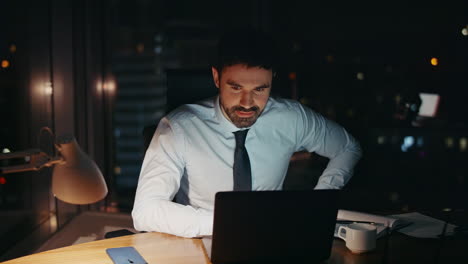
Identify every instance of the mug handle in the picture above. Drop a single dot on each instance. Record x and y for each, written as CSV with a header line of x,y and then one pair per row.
x,y
339,232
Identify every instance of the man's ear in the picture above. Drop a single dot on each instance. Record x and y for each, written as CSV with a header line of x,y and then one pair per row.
x,y
215,73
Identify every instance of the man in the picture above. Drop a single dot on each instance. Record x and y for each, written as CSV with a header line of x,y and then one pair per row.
x,y
197,150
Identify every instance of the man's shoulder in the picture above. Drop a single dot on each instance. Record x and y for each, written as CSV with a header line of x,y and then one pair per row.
x,y
284,106
289,110
199,110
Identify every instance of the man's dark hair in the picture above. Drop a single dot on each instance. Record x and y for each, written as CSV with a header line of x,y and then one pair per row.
x,y
249,47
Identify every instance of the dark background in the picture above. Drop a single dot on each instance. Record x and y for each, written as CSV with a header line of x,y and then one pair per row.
x,y
117,66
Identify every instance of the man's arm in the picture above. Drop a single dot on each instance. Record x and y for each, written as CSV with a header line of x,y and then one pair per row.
x,y
328,139
159,181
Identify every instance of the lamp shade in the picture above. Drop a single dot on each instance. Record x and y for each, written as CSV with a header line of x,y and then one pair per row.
x,y
78,180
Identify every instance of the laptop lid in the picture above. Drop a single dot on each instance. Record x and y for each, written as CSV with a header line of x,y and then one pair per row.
x,y
273,226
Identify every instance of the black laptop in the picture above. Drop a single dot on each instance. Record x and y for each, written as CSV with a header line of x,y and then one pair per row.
x,y
273,226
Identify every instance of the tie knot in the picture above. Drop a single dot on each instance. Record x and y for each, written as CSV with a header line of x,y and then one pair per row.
x,y
240,137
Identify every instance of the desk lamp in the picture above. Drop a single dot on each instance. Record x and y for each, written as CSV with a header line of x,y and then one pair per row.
x,y
76,179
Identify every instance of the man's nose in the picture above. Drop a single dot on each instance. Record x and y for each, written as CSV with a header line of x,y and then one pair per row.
x,y
246,99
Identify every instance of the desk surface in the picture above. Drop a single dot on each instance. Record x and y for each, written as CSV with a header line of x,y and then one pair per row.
x,y
154,247
168,249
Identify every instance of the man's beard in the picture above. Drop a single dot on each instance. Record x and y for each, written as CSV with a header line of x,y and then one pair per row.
x,y
242,122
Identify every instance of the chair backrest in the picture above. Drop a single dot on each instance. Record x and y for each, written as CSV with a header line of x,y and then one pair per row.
x,y
184,86
148,132
188,86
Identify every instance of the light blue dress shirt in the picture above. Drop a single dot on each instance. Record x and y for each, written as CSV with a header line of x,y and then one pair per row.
x,y
191,155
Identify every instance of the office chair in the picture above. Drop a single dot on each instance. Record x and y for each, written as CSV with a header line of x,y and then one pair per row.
x,y
184,86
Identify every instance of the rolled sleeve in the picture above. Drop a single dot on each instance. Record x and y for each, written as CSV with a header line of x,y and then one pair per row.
x,y
159,181
328,139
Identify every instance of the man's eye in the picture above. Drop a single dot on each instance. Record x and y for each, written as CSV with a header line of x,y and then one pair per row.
x,y
259,89
235,87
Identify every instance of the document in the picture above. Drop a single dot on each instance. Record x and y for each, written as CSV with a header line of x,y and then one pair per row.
x,y
85,239
424,226
381,222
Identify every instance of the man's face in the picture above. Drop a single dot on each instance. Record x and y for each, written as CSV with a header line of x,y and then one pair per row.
x,y
243,92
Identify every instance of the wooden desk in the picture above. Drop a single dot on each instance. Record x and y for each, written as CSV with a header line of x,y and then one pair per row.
x,y
161,248
154,247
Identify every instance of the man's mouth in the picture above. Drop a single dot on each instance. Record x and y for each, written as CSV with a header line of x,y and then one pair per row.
x,y
245,114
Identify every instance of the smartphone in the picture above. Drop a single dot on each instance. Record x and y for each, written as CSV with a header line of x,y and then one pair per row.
x,y
125,255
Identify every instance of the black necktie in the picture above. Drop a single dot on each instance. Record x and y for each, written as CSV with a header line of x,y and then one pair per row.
x,y
241,168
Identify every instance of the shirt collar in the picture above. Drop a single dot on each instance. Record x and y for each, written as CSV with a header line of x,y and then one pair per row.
x,y
227,126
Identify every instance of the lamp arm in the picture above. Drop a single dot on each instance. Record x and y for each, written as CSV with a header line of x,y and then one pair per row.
x,y
35,160
19,154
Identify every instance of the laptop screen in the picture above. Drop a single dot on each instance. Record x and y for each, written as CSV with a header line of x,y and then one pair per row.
x,y
273,226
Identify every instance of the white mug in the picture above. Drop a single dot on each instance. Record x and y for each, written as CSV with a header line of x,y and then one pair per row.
x,y
359,238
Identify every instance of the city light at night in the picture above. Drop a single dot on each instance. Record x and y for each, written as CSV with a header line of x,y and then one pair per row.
x,y
5,64
12,48
465,31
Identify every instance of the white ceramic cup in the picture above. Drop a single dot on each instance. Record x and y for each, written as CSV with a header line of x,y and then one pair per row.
x,y
359,238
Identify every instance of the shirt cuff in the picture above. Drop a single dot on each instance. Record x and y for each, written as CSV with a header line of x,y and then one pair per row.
x,y
324,186
206,223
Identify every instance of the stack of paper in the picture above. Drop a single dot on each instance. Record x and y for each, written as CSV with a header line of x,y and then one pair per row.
x,y
381,222
412,224
424,226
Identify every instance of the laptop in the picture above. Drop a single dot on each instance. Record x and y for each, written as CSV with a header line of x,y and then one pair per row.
x,y
273,226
